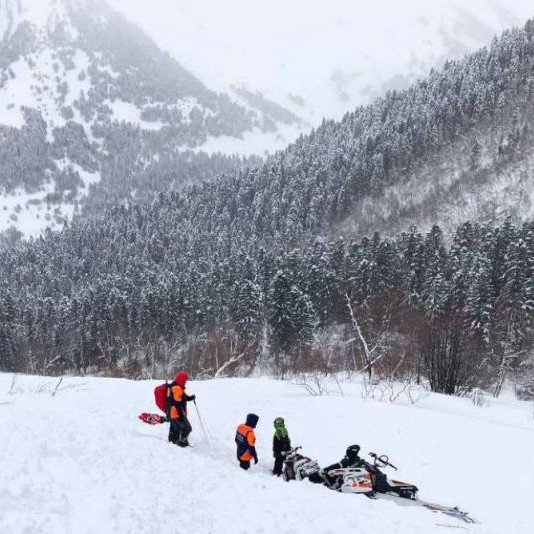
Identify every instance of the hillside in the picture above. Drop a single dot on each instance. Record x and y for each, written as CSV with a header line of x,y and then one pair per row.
x,y
249,268
85,463
89,122
93,113
455,146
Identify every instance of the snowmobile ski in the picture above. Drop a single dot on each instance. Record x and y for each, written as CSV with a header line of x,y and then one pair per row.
x,y
451,511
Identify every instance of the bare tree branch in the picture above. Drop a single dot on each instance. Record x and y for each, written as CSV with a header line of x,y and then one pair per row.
x,y
227,364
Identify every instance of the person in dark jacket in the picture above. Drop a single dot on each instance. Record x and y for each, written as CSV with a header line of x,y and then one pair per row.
x,y
351,459
281,444
245,440
177,400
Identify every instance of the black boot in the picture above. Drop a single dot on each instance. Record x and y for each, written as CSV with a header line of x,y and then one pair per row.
x,y
182,442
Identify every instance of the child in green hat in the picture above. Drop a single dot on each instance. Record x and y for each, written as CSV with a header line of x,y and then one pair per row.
x,y
281,444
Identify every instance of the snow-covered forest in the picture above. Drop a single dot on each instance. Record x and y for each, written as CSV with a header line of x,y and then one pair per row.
x,y
248,271
330,256
166,294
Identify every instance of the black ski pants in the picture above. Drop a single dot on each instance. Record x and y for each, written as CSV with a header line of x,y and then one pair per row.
x,y
179,430
244,465
278,464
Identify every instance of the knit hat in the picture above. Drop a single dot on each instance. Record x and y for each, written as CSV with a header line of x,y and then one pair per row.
x,y
252,420
181,378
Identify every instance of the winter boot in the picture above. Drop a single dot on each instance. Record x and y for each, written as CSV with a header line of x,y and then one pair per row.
x,y
182,442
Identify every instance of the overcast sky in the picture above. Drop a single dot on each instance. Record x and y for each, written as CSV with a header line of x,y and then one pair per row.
x,y
334,54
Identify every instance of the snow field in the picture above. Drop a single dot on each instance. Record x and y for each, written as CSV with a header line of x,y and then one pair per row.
x,y
80,461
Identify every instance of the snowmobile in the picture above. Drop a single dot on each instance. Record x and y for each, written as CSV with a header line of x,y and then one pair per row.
x,y
298,467
367,479
372,482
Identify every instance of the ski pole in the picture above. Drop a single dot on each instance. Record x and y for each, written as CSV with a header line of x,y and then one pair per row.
x,y
201,422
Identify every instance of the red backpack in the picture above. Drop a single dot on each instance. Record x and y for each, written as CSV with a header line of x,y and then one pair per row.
x,y
160,396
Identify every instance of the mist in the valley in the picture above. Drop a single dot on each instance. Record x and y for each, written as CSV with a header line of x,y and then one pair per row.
x,y
322,58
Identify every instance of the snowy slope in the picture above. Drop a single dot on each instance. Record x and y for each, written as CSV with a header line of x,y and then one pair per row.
x,y
36,34
86,98
321,59
79,461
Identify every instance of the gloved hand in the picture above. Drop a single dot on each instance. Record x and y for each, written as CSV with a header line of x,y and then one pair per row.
x,y
192,397
256,460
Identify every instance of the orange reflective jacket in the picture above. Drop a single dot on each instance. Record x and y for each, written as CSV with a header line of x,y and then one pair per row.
x,y
177,402
246,442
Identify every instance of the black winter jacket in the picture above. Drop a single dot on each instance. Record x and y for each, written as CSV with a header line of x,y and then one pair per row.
x,y
280,445
356,462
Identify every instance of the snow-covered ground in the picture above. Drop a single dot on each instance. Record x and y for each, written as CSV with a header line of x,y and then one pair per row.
x,y
81,462
32,213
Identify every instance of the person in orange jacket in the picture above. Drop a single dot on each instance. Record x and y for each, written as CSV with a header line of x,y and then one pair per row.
x,y
246,442
177,399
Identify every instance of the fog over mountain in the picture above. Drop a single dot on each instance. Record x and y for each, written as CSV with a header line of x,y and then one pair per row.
x,y
93,113
98,109
321,59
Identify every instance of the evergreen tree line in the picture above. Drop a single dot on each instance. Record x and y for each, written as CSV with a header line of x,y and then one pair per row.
x,y
232,274
456,316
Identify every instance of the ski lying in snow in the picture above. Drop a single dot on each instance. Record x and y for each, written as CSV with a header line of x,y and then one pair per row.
x,y
152,418
451,511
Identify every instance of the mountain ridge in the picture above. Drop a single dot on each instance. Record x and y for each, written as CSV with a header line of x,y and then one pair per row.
x,y
88,103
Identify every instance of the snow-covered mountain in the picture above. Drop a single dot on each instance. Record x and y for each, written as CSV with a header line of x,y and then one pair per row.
x,y
321,59
85,97
76,459
88,103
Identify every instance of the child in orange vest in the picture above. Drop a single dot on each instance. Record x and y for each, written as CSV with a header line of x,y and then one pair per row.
x,y
246,442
